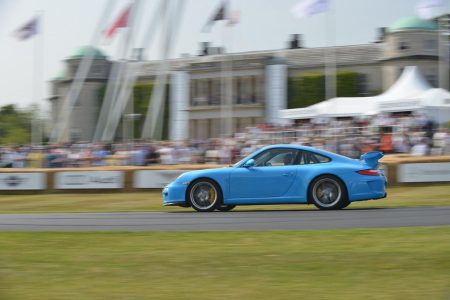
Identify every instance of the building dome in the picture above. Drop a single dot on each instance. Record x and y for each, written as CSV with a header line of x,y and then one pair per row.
x,y
88,50
61,75
413,23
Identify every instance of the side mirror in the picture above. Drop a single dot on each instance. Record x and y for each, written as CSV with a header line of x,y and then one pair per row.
x,y
249,163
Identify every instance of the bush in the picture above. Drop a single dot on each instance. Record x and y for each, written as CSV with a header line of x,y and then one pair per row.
x,y
309,88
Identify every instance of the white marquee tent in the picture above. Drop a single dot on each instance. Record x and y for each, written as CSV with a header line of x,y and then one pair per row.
x,y
411,92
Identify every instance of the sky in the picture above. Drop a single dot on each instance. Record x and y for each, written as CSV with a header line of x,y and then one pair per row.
x,y
263,25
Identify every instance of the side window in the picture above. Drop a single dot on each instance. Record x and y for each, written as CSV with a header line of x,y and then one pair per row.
x,y
402,45
312,158
276,157
321,158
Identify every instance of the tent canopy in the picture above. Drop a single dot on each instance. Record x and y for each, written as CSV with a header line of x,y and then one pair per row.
x,y
411,92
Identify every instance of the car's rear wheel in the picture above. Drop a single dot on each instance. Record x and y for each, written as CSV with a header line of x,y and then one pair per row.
x,y
204,195
224,207
328,192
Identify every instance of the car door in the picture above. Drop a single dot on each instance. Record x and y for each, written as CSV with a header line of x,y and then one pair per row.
x,y
272,176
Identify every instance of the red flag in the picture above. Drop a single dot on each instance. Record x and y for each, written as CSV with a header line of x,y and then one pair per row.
x,y
120,22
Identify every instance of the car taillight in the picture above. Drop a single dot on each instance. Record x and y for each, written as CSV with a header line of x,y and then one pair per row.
x,y
369,172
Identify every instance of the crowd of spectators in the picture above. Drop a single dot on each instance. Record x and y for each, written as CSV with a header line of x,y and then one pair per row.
x,y
403,133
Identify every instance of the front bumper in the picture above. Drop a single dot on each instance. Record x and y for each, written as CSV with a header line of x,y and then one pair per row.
x,y
174,194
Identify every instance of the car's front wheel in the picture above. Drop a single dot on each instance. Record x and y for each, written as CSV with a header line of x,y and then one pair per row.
x,y
328,193
204,195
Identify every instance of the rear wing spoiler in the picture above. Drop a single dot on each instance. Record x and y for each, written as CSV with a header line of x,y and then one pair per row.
x,y
371,158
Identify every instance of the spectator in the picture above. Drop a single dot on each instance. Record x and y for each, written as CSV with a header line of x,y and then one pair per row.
x,y
421,148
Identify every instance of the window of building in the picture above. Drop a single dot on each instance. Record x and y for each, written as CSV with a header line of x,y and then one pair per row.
x,y
215,92
432,79
97,70
362,84
209,92
238,90
403,45
430,44
254,82
193,92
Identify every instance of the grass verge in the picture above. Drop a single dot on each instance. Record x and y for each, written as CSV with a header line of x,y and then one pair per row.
x,y
399,263
432,195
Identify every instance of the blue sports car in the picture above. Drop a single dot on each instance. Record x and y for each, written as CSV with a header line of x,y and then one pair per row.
x,y
281,174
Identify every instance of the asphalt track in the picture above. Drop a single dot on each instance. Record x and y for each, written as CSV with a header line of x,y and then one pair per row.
x,y
238,220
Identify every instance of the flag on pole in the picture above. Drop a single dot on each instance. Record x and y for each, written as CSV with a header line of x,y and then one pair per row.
x,y
220,14
27,30
120,22
424,8
307,8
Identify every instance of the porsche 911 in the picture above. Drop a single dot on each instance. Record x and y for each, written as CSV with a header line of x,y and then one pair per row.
x,y
281,174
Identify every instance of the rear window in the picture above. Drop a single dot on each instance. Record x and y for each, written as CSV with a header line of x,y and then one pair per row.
x,y
313,158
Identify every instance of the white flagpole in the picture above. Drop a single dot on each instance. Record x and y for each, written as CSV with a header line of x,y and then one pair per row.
x,y
129,79
112,87
443,47
330,59
330,55
38,58
150,33
125,85
223,81
152,124
60,129
229,86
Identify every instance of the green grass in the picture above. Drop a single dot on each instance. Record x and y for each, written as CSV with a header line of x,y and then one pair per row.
x,y
401,263
432,195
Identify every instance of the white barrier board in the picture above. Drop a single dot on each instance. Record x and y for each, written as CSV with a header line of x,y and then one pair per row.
x,y
384,170
89,180
22,181
151,179
424,172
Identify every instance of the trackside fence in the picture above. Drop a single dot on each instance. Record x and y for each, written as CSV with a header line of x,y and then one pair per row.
x,y
399,169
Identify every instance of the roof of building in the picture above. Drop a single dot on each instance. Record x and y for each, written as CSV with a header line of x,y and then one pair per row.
x,y
301,57
413,23
344,55
60,75
88,51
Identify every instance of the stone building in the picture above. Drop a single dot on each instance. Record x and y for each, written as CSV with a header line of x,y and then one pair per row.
x,y
258,79
84,115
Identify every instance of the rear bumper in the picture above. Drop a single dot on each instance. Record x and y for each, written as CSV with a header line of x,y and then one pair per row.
x,y
368,188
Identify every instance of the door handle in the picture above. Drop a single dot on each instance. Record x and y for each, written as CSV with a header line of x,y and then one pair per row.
x,y
288,174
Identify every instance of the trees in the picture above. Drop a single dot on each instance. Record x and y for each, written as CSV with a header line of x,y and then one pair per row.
x,y
15,125
309,88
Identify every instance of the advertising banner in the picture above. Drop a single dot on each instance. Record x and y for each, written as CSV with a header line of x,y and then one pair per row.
x,y
22,181
89,180
150,179
424,172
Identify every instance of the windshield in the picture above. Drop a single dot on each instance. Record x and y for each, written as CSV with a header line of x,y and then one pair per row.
x,y
241,162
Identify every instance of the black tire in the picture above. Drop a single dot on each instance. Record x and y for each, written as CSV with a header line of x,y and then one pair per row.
x,y
204,195
224,207
328,192
347,203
